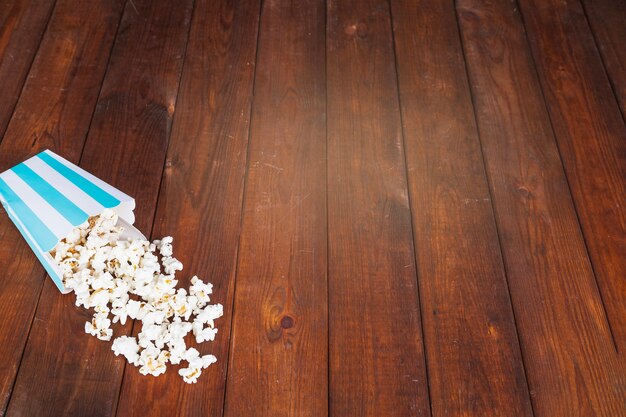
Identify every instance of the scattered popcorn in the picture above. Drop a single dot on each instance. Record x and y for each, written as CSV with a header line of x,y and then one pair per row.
x,y
121,279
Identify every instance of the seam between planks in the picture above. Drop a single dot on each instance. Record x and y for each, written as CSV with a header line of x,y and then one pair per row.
x,y
408,191
30,67
564,171
494,211
45,275
243,205
602,59
104,75
328,328
156,204
19,366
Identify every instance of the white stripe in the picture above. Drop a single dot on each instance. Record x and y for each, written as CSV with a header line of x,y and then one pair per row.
x,y
54,268
66,187
106,187
16,219
57,224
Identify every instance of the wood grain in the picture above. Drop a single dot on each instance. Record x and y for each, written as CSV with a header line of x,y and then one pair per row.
x,y
201,194
377,365
471,180
281,298
53,112
607,19
131,125
22,24
593,148
474,361
570,360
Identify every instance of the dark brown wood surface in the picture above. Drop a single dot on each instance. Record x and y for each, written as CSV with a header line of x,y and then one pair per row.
x,y
280,304
376,350
54,111
474,361
569,355
407,208
201,194
132,123
22,25
591,136
607,19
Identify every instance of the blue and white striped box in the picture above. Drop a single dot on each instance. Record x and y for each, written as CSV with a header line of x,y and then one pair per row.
x,y
47,196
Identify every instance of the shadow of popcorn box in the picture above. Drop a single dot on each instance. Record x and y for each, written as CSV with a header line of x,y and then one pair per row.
x,y
47,196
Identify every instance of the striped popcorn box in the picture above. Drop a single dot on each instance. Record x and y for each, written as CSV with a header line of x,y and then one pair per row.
x,y
47,196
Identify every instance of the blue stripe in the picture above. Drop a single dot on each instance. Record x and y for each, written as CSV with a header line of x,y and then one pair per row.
x,y
57,200
39,231
97,193
58,281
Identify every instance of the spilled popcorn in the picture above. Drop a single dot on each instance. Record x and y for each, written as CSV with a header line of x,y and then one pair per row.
x,y
104,271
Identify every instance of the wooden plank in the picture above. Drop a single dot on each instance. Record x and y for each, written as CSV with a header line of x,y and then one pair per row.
x,y
281,298
377,364
607,19
126,146
201,194
570,360
22,24
53,112
474,360
590,133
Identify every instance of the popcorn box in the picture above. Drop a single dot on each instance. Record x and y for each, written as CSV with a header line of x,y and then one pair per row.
x,y
47,196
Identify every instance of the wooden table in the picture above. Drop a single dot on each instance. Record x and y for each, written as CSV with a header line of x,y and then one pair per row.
x,y
408,208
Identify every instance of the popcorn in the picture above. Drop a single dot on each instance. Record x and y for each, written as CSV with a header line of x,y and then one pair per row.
x,y
132,309
165,245
177,352
203,334
180,304
196,364
153,361
171,265
99,327
128,347
210,313
103,281
121,279
99,298
200,290
119,311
